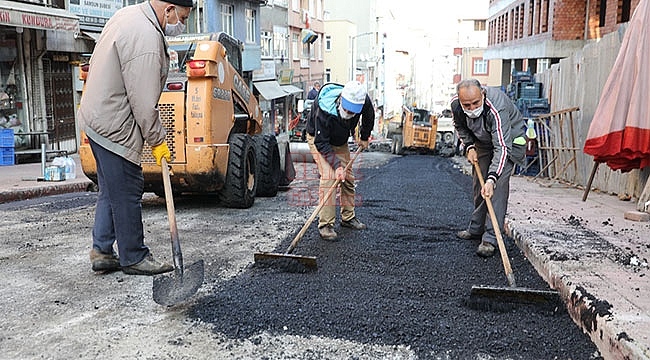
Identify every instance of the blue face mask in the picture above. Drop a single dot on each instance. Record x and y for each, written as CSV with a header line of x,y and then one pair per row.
x,y
175,29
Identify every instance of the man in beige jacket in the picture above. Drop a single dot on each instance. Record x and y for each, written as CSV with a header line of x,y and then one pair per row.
x,y
119,112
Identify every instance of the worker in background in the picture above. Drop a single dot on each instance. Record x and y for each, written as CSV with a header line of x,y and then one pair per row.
x,y
119,112
492,131
334,116
313,92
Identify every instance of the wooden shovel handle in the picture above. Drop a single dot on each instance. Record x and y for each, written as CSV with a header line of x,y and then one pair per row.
x,y
313,215
171,215
497,230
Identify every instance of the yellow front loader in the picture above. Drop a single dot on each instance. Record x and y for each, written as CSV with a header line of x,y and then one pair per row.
x,y
416,131
214,127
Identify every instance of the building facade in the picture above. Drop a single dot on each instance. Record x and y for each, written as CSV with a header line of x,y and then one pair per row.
x,y
530,35
41,45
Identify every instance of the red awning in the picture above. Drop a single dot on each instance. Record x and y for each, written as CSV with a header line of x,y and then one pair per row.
x,y
619,134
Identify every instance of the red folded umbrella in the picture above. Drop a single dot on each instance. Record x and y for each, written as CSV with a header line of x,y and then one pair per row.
x,y
619,134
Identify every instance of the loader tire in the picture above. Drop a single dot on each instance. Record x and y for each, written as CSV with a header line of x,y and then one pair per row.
x,y
240,185
268,165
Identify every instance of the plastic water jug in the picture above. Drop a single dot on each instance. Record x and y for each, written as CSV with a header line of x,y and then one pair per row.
x,y
68,163
70,168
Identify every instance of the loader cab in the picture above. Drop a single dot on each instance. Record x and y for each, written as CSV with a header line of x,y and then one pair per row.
x,y
182,48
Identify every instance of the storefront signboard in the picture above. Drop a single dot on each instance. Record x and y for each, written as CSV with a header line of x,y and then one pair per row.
x,y
36,17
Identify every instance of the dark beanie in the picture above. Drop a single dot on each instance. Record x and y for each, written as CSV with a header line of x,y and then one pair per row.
x,y
185,3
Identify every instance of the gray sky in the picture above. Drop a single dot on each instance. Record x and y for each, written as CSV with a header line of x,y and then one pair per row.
x,y
433,15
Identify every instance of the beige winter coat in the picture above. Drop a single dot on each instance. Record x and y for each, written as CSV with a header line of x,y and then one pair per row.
x,y
127,73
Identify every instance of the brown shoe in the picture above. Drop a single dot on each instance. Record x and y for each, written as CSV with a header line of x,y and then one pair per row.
x,y
104,262
327,232
466,235
148,266
354,223
485,249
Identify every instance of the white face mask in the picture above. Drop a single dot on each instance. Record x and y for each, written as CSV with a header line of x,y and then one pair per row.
x,y
474,113
175,29
344,114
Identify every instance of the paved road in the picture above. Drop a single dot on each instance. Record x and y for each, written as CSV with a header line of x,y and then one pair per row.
x,y
404,282
43,255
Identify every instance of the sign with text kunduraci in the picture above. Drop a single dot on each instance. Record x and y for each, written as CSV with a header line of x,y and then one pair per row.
x,y
37,17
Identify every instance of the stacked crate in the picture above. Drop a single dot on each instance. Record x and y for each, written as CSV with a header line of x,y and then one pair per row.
x,y
7,154
527,95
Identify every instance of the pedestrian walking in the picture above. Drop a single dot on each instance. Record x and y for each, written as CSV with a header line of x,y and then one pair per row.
x,y
119,112
492,131
335,115
313,92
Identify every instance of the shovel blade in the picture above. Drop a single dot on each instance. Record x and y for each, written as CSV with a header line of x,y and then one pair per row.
x,y
177,286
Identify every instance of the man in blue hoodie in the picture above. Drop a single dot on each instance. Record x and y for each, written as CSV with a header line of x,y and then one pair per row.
x,y
334,117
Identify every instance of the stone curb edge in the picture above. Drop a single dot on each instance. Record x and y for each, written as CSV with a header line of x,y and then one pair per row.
x,y
582,310
24,194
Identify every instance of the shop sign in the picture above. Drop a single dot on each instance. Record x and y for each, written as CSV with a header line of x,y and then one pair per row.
x,y
94,13
34,20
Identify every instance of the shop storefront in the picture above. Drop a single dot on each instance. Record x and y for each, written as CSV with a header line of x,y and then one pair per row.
x,y
272,103
39,50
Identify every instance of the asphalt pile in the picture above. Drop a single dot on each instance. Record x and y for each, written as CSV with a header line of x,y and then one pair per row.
x,y
403,282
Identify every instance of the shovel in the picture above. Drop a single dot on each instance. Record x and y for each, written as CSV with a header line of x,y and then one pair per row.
x,y
299,262
179,285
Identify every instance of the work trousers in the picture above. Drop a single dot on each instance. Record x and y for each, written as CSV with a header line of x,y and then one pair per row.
x,y
327,214
118,216
481,222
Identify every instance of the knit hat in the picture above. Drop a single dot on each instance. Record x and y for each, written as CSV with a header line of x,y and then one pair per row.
x,y
353,96
185,3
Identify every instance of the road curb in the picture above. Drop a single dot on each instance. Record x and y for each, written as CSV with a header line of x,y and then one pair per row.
x,y
24,194
584,309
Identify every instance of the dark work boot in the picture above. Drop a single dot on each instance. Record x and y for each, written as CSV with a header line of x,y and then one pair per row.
x,y
148,266
485,249
466,235
354,223
104,262
327,232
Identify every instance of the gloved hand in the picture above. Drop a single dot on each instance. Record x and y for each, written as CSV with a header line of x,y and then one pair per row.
x,y
363,144
160,151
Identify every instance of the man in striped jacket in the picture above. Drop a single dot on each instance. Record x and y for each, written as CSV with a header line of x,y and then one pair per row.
x,y
492,131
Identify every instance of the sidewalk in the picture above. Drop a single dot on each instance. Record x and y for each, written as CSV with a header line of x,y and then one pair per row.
x,y
594,257
19,182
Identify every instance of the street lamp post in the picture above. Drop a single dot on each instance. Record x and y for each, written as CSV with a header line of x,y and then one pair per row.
x,y
353,67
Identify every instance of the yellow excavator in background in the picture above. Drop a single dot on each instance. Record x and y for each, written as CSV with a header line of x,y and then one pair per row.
x,y
214,127
416,130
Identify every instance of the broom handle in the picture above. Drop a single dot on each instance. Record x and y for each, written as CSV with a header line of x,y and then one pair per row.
x,y
329,193
497,231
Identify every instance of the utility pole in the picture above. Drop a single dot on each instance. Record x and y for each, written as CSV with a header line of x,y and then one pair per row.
x,y
353,66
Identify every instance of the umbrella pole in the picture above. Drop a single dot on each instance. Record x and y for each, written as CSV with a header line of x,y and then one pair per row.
x,y
591,179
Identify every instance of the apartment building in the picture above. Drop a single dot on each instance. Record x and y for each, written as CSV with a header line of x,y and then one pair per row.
x,y
533,34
